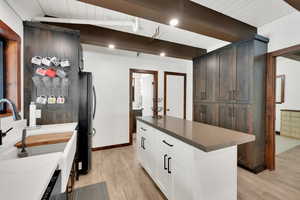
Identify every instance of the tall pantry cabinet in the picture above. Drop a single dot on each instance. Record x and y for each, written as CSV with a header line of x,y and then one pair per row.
x,y
229,91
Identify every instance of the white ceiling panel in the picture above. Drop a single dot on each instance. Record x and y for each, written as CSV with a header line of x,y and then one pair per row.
x,y
254,12
79,10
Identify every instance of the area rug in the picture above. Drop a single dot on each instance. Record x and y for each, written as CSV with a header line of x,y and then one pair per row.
x,y
96,191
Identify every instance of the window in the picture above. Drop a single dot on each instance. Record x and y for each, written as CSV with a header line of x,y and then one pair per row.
x,y
1,74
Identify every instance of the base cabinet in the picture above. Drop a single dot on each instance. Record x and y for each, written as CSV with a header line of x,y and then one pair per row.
x,y
183,172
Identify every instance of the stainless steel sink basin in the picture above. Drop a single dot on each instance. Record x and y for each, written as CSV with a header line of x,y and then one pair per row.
x,y
44,149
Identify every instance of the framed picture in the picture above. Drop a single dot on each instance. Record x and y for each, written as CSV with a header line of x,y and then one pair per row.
x,y
280,89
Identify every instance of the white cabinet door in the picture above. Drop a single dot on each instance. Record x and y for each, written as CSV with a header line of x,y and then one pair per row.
x,y
146,147
163,164
182,182
182,171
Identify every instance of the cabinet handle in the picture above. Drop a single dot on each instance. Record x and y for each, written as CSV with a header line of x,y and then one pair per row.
x,y
170,145
169,159
143,129
165,166
144,143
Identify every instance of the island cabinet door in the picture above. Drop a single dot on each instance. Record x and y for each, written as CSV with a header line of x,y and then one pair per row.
x,y
146,147
182,168
164,163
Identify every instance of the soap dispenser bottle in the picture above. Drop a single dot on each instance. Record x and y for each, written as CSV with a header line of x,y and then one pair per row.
x,y
32,114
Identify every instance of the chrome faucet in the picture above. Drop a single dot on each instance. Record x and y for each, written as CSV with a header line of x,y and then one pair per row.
x,y
16,116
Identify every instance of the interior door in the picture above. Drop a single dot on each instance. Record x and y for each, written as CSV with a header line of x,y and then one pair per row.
x,y
175,94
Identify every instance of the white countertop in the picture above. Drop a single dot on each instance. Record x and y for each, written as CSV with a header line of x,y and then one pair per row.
x,y
27,178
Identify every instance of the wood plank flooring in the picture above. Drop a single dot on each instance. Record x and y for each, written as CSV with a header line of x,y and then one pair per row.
x,y
126,180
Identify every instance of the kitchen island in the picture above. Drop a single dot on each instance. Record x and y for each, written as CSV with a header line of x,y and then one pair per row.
x,y
190,160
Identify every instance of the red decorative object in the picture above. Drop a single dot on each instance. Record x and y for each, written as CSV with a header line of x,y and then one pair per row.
x,y
51,73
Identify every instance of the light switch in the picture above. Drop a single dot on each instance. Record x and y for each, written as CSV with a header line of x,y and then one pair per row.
x,y
38,114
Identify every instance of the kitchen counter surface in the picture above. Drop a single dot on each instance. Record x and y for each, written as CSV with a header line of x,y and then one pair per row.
x,y
27,178
202,136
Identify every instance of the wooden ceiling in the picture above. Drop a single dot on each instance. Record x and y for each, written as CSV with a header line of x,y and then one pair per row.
x,y
95,35
192,16
294,3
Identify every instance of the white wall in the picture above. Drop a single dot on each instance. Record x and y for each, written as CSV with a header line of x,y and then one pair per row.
x,y
8,16
291,70
283,32
111,78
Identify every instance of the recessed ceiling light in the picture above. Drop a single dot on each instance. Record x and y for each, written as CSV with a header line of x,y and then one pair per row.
x,y
174,22
162,54
111,46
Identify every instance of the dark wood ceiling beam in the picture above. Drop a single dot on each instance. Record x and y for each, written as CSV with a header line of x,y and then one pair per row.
x,y
192,16
294,3
126,41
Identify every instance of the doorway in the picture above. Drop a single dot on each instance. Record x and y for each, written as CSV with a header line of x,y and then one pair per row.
x,y
175,94
279,115
143,91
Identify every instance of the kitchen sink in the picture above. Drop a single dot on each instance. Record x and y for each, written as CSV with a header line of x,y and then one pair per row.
x,y
45,149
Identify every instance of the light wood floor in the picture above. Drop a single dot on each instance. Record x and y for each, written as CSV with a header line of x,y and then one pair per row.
x,y
126,180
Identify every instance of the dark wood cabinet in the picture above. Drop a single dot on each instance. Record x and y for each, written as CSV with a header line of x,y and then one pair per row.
x,y
233,79
226,116
225,75
206,113
205,78
244,73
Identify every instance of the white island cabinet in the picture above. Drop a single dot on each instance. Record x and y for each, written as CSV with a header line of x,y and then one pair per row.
x,y
183,171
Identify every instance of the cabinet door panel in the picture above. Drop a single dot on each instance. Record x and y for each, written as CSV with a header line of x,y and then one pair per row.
x,y
197,79
225,75
226,113
243,72
163,178
211,69
182,182
243,123
206,113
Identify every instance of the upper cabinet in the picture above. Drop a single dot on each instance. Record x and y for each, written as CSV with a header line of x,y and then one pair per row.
x,y
225,75
205,78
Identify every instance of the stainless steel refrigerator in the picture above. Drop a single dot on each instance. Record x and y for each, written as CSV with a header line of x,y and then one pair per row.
x,y
85,130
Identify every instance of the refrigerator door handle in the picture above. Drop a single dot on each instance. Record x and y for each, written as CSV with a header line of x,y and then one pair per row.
x,y
95,102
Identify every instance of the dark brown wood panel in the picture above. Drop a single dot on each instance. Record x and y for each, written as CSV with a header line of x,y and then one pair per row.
x,y
210,114
226,116
45,40
294,3
243,72
103,37
226,75
12,63
192,16
240,95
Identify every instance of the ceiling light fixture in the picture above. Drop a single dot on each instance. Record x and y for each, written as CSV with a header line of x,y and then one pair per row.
x,y
162,54
174,22
111,46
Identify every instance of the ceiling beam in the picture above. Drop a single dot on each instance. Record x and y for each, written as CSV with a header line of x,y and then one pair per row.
x,y
294,3
95,35
192,16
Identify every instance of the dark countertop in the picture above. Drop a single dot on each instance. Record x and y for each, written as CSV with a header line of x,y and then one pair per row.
x,y
202,136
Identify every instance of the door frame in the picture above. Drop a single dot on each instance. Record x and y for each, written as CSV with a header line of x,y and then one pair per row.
x,y
155,93
166,73
271,103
